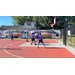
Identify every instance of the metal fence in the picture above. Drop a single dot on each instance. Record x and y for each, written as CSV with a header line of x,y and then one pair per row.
x,y
70,34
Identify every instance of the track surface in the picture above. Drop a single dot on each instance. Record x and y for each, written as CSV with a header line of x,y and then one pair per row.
x,y
11,49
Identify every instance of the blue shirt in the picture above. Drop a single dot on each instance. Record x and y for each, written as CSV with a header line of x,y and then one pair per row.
x,y
32,36
37,36
40,37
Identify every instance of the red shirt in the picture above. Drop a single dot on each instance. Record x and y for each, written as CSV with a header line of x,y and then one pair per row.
x,y
33,36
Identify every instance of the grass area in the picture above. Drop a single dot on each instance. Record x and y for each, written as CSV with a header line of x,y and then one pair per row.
x,y
71,39
73,35
68,43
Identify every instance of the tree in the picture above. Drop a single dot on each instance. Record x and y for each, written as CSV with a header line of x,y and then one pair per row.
x,y
43,22
21,19
3,25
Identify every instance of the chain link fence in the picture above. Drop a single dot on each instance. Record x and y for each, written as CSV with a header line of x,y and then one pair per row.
x,y
70,34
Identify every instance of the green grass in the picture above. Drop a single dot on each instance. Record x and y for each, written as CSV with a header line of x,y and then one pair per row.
x,y
68,43
71,39
73,35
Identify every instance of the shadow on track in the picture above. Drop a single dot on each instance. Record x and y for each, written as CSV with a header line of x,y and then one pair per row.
x,y
54,47
10,49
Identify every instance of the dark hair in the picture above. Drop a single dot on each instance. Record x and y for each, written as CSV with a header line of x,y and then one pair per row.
x,y
40,33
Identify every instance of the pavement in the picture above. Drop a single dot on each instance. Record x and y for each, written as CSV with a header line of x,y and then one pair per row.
x,y
68,47
22,49
55,45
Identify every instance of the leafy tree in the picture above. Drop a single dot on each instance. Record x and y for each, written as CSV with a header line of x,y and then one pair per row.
x,y
21,19
43,22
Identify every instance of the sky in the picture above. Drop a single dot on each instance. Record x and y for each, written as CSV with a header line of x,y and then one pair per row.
x,y
6,20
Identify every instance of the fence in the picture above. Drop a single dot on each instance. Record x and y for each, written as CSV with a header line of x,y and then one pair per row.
x,y
70,34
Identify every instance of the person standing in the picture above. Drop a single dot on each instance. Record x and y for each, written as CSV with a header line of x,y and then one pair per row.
x,y
6,36
57,35
0,36
26,36
33,39
40,40
12,36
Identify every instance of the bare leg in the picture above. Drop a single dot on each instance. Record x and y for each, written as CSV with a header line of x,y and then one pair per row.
x,y
57,38
35,42
31,42
44,45
38,45
27,39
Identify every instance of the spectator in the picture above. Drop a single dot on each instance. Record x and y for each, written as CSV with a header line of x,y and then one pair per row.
x,y
57,35
12,36
6,36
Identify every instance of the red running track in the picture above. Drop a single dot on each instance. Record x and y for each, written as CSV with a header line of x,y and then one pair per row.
x,y
11,49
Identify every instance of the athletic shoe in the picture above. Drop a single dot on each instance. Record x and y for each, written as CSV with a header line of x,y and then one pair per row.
x,y
35,44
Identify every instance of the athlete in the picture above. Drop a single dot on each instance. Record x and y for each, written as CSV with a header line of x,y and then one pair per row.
x,y
33,39
40,40
26,36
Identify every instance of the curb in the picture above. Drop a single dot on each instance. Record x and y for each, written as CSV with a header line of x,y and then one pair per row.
x,y
68,47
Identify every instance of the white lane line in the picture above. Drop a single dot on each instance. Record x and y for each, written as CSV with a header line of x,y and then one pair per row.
x,y
10,44
10,53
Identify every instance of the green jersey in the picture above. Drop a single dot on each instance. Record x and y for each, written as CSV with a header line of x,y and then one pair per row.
x,y
26,33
